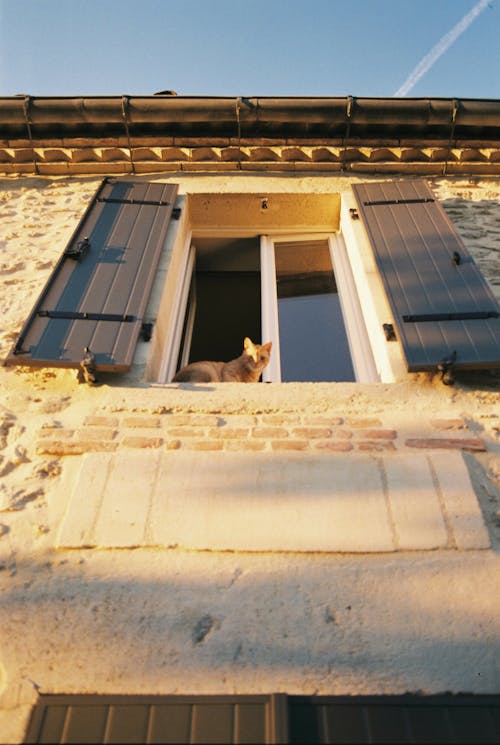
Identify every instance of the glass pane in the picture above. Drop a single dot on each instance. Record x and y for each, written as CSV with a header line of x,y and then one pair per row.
x,y
313,339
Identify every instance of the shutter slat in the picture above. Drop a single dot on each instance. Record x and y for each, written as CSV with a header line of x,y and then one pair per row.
x,y
443,307
112,279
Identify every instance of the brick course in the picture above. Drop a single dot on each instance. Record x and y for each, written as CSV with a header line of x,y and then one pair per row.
x,y
449,443
240,432
142,442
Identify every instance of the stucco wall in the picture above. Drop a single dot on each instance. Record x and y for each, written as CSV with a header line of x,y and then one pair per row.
x,y
171,619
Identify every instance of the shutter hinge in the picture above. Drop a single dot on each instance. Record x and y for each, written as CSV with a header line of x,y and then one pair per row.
x,y
176,213
18,347
464,316
76,252
86,371
146,331
138,202
70,315
354,213
389,332
379,202
445,367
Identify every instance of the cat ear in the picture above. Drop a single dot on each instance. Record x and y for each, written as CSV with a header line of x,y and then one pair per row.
x,y
248,343
268,345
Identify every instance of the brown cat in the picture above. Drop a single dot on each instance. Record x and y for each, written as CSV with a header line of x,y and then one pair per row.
x,y
246,368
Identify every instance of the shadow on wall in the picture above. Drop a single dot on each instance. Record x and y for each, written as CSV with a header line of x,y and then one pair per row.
x,y
204,623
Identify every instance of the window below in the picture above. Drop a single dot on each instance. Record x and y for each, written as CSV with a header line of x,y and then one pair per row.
x,y
265,718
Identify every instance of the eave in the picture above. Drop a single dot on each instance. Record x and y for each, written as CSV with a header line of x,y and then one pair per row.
x,y
145,134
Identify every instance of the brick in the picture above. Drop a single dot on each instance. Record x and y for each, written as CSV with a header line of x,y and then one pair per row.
x,y
312,433
142,442
192,420
173,445
363,422
342,434
378,434
204,444
237,445
101,421
269,432
56,432
289,445
185,431
375,445
74,447
278,418
236,420
97,433
334,445
449,443
229,432
205,420
445,424
141,421
175,420
330,421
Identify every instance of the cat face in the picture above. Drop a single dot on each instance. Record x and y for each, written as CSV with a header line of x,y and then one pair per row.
x,y
259,354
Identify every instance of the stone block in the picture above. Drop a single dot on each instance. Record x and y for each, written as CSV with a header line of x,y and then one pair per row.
x,y
414,504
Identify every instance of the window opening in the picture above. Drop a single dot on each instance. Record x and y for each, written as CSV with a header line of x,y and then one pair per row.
x,y
295,290
224,302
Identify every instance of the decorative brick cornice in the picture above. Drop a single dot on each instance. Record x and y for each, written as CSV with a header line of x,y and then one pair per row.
x,y
77,159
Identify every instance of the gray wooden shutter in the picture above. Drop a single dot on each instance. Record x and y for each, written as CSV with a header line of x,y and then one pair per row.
x,y
444,311
153,719
98,291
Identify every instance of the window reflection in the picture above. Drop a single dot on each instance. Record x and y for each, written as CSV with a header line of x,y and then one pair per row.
x,y
313,339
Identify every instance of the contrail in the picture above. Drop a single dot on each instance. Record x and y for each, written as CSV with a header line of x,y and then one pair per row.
x,y
441,47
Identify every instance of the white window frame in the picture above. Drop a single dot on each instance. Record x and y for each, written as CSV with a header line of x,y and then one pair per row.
x,y
359,345
173,337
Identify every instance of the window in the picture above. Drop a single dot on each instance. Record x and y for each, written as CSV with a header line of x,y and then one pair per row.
x,y
294,290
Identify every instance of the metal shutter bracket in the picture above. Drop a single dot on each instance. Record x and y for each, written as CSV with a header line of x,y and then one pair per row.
x,y
125,115
87,368
348,114
27,117
77,251
452,132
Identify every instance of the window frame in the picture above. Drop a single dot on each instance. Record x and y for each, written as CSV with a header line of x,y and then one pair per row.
x,y
358,337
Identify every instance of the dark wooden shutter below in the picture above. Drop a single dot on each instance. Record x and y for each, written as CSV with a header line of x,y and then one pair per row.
x,y
98,291
278,718
443,308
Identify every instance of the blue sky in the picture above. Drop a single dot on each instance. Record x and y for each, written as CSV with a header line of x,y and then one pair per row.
x,y
245,47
